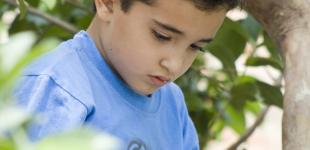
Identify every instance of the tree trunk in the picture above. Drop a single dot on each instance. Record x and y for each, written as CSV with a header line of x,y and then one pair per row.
x,y
288,23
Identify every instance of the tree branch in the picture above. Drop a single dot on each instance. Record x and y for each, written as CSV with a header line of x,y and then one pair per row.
x,y
65,25
288,23
79,5
251,130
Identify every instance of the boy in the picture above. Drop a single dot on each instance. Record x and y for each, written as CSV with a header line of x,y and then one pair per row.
x,y
117,76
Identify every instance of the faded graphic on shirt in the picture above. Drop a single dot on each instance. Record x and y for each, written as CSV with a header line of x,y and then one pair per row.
x,y
137,144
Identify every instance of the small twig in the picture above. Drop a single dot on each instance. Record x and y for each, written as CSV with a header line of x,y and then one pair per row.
x,y
65,25
251,130
79,5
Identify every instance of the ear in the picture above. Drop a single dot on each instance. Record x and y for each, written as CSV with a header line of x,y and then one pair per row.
x,y
104,9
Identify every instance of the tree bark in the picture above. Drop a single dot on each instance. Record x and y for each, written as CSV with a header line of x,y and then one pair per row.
x,y
288,23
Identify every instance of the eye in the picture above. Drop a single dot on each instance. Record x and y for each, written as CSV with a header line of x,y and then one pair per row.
x,y
198,48
161,37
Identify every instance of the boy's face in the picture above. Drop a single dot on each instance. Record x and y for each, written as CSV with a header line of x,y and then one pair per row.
x,y
149,46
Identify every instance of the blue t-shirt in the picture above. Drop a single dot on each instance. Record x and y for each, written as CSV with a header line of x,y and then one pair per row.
x,y
73,86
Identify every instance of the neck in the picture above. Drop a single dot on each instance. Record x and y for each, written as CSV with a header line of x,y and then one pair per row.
x,y
94,30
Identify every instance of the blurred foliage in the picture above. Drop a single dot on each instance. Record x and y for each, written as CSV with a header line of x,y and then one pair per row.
x,y
217,97
229,93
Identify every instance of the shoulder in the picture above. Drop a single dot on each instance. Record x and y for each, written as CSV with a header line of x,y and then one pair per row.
x,y
64,67
172,90
42,96
173,93
63,57
40,91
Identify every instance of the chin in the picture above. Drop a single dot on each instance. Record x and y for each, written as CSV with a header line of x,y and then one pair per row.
x,y
144,88
145,92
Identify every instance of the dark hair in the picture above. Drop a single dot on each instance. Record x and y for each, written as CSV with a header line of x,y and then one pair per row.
x,y
200,4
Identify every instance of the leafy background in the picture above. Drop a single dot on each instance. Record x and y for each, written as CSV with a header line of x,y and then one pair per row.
x,y
218,92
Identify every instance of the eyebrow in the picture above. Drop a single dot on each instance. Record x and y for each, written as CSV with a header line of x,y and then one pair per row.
x,y
177,31
168,27
208,40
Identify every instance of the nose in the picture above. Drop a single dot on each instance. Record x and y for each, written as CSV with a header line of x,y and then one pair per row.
x,y
172,64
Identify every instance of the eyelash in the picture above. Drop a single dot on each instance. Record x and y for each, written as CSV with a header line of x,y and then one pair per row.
x,y
160,37
163,38
197,48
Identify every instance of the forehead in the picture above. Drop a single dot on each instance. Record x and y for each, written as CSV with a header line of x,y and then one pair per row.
x,y
183,15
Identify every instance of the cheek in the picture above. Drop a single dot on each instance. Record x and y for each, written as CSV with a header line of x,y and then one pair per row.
x,y
186,64
132,57
134,50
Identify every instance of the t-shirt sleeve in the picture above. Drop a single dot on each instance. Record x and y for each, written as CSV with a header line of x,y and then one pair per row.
x,y
189,133
190,137
56,109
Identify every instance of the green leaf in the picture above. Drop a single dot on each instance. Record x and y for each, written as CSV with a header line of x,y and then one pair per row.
x,y
252,27
243,90
58,32
272,95
232,36
235,119
226,57
6,144
33,3
253,106
79,140
4,7
50,4
11,118
271,47
11,53
194,103
217,128
17,47
7,80
228,45
261,61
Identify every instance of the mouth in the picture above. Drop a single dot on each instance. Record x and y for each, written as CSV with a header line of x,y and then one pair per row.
x,y
159,80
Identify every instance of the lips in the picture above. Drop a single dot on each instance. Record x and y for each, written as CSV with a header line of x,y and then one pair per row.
x,y
159,80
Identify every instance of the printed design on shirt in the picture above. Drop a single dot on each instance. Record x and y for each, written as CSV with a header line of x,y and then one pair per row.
x,y
137,144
